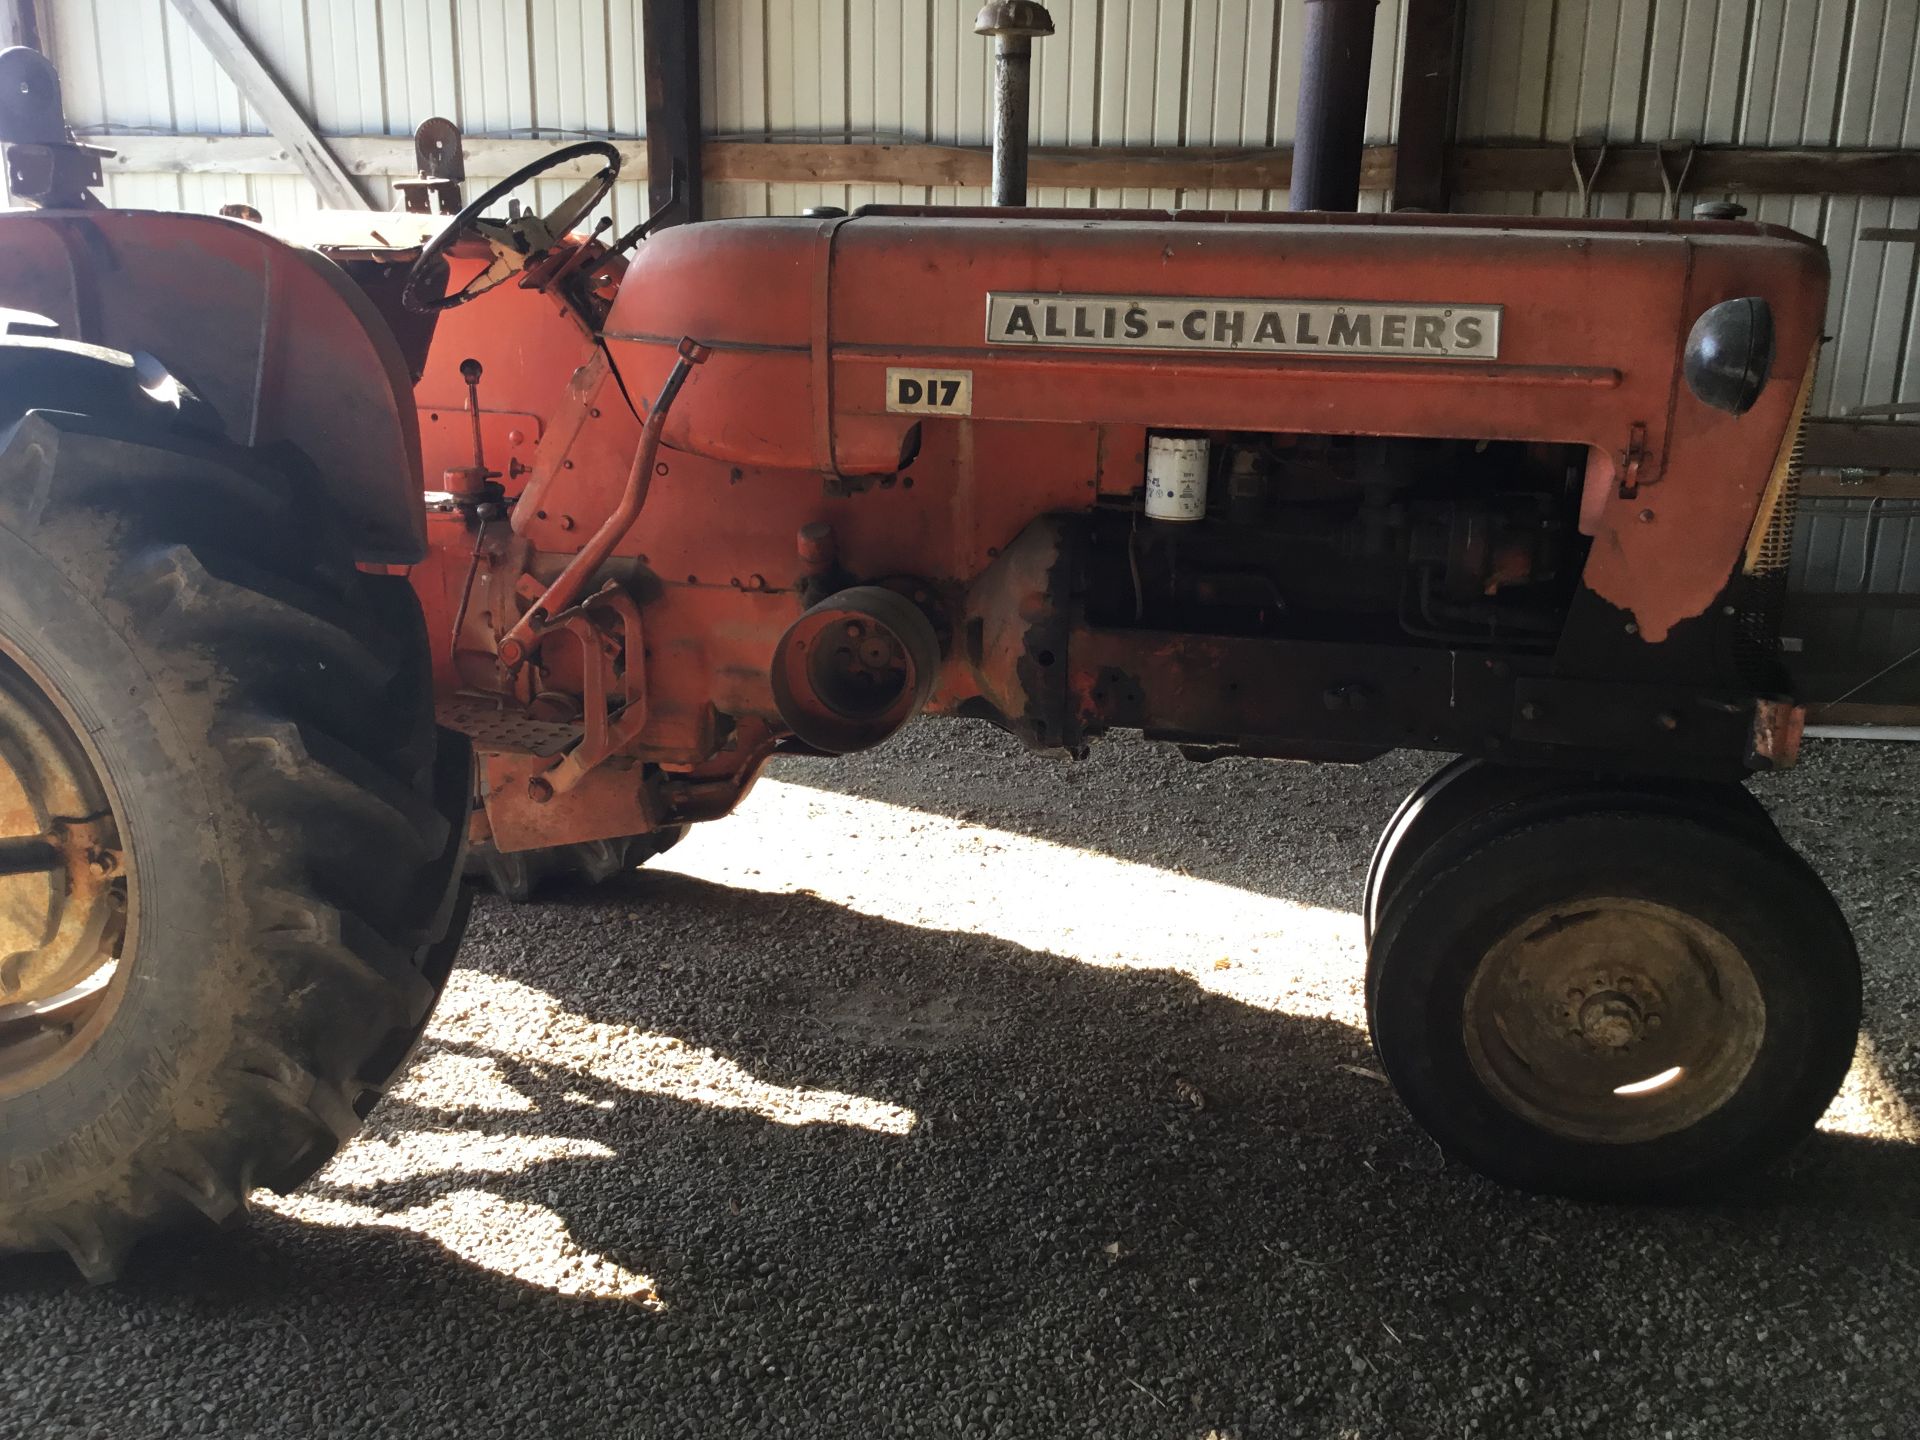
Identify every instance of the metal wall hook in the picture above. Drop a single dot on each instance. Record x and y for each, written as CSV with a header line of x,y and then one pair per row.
x,y
1672,182
1584,177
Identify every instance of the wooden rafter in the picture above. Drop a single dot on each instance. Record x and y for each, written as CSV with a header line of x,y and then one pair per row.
x,y
1716,169
262,88
1862,445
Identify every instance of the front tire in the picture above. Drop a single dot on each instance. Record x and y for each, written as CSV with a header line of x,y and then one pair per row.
x,y
283,824
1469,799
1617,1005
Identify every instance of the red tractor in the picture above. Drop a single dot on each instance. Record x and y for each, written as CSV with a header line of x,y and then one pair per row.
x,y
303,549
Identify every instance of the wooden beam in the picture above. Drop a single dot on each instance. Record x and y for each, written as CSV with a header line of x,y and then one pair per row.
x,y
1868,172
1137,167
356,155
1830,486
1429,82
236,56
1862,445
1754,170
671,45
1848,712
831,163
1477,167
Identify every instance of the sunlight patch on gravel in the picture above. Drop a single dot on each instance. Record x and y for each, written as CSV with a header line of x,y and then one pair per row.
x,y
917,868
514,1238
489,1025
409,1156
1870,1104
443,1081
486,1012
935,873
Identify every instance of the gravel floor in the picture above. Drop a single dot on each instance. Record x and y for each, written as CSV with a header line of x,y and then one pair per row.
x,y
950,1092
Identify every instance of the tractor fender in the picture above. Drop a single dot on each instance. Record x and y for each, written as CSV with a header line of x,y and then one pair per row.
x,y
274,339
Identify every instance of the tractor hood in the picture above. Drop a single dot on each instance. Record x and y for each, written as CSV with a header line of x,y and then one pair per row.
x,y
1346,324
839,343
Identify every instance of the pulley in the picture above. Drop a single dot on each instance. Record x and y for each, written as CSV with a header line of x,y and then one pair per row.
x,y
855,668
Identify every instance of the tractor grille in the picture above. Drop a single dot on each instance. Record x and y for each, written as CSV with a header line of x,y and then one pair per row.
x,y
1771,549
1761,587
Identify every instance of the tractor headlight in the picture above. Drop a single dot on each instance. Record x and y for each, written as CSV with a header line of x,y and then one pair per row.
x,y
1730,354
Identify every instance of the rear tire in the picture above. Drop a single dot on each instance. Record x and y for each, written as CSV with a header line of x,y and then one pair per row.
x,y
1617,1004
258,714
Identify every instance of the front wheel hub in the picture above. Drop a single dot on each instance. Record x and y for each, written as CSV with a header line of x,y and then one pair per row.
x,y
1611,1021
1614,1019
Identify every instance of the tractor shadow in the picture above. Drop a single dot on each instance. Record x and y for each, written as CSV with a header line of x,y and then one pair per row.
x,y
1177,1212
1305,832
729,1161
1291,831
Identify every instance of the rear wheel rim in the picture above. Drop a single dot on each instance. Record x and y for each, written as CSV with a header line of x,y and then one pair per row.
x,y
67,886
1613,1019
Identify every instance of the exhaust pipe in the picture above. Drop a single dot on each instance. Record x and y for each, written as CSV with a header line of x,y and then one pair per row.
x,y
1331,124
1014,26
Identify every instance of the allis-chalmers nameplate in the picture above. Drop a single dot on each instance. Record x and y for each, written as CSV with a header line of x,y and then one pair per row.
x,y
1276,327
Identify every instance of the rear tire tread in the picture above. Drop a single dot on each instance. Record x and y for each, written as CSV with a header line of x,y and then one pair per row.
x,y
341,831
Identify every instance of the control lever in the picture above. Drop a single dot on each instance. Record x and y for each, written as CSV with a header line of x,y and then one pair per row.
x,y
473,484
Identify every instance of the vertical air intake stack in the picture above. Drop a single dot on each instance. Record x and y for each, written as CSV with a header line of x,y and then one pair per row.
x,y
1014,26
1332,122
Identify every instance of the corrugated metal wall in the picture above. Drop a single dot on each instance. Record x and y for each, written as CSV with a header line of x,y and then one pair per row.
x,y
358,67
1748,72
1166,72
1116,72
1855,608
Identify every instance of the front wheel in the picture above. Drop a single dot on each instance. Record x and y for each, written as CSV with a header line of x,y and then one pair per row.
x,y
1619,1005
1469,799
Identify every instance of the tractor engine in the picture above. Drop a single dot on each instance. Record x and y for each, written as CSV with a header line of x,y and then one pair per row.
x,y
1344,538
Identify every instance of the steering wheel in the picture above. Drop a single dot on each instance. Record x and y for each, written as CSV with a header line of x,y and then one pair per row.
x,y
514,240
